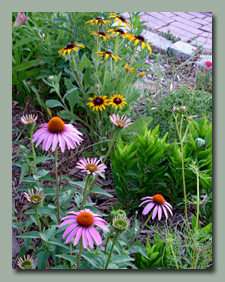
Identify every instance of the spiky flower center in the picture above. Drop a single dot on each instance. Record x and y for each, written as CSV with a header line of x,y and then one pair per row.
x,y
121,213
30,121
120,123
91,167
117,101
85,219
35,199
102,33
27,264
56,125
158,199
98,101
69,46
122,19
120,223
140,37
98,18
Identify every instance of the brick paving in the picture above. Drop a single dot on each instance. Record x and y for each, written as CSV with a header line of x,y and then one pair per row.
x,y
191,27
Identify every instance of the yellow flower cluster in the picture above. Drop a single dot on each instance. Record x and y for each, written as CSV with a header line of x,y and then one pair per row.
x,y
99,102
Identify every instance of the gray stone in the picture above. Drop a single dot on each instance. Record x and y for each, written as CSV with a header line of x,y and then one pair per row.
x,y
158,43
201,62
182,49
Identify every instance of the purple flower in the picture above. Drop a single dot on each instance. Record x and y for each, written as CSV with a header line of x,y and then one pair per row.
x,y
21,19
120,122
81,226
159,204
183,252
91,166
56,131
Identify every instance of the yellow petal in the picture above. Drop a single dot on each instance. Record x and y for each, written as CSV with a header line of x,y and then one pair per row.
x,y
142,45
106,56
136,42
69,51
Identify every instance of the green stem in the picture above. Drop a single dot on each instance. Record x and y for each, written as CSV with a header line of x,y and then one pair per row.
x,y
78,260
38,221
106,63
174,255
57,185
111,145
208,259
34,158
85,195
18,222
115,50
107,240
114,242
71,246
140,231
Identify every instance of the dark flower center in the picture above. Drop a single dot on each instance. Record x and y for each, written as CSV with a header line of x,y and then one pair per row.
x,y
85,219
108,52
98,18
120,31
56,125
122,19
140,37
98,101
102,33
69,46
91,167
117,101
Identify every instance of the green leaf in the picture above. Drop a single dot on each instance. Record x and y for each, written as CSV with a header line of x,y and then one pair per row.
x,y
94,259
70,258
57,242
100,191
120,258
22,252
24,41
27,65
42,258
32,234
54,103
23,171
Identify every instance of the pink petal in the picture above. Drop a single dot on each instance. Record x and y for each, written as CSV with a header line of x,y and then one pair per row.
x,y
165,212
66,222
159,213
95,235
71,235
84,238
79,232
62,142
155,212
69,229
55,142
148,208
101,224
89,237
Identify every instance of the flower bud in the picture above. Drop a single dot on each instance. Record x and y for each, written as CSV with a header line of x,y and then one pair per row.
x,y
121,213
20,20
97,86
51,78
120,224
183,109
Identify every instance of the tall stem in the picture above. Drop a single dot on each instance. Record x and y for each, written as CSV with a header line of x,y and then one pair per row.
x,y
38,221
34,158
114,242
57,185
173,255
78,260
140,230
106,63
107,240
85,195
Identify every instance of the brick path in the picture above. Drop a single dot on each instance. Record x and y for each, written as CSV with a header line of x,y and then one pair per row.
x,y
191,27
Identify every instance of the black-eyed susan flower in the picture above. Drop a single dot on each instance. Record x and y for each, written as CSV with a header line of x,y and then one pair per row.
x,y
129,69
69,47
121,19
99,21
119,31
98,102
141,39
117,100
141,74
108,54
101,34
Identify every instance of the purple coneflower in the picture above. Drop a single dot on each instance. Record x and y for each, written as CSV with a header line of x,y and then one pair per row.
x,y
25,263
29,119
160,205
120,122
91,166
35,198
56,131
81,225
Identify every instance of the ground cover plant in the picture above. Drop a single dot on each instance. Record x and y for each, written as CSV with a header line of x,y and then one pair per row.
x,y
107,175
